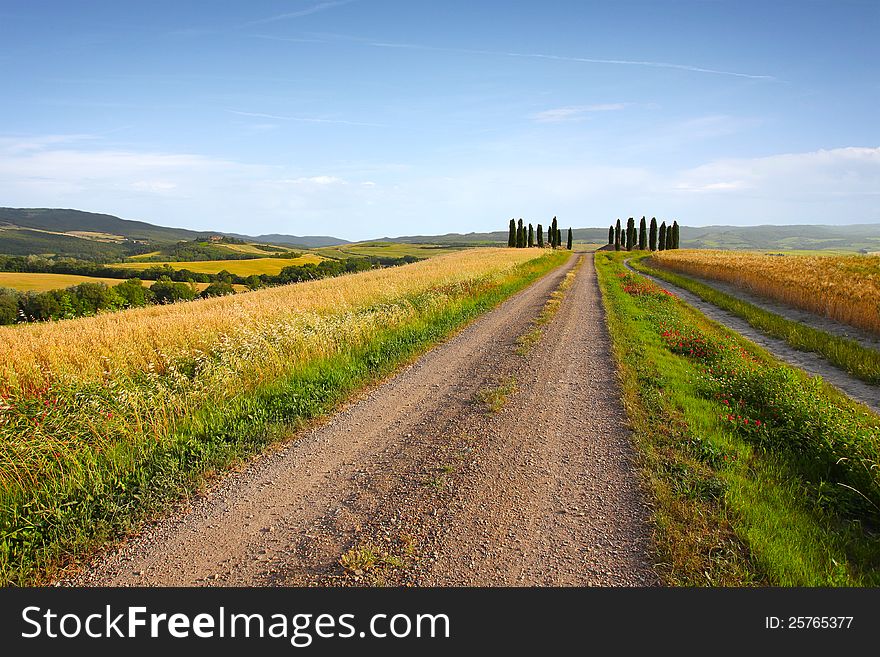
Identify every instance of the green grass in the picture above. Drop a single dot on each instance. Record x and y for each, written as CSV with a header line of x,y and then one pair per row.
x,y
735,503
496,397
847,354
104,492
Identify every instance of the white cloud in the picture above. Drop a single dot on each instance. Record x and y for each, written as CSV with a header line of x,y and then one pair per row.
x,y
575,113
318,180
305,11
370,199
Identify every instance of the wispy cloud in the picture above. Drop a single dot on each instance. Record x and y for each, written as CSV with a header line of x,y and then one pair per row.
x,y
270,37
317,180
299,13
584,60
305,119
574,113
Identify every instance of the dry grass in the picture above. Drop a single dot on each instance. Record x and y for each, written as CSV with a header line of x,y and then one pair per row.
x,y
272,266
281,323
27,282
843,288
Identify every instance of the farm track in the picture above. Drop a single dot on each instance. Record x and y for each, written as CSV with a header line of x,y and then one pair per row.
x,y
818,322
542,492
810,362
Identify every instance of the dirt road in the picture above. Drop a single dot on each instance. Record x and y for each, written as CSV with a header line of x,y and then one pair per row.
x,y
423,483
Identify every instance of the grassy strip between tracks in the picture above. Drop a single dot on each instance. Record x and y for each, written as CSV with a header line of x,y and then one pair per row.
x,y
847,354
760,474
88,489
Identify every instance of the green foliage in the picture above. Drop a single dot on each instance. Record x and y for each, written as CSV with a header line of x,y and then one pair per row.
x,y
661,240
643,235
133,294
531,240
569,244
611,234
167,291
218,289
511,237
652,235
8,306
540,232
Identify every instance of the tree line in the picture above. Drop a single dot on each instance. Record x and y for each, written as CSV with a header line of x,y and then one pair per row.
x,y
90,298
645,237
521,236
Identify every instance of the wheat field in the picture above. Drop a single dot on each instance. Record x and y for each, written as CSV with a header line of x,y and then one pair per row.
x,y
271,266
139,339
843,288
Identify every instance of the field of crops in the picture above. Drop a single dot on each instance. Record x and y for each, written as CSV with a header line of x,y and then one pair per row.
x,y
103,420
844,288
385,250
27,282
270,266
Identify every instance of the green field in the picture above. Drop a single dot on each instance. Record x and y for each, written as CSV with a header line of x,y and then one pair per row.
x,y
384,250
271,266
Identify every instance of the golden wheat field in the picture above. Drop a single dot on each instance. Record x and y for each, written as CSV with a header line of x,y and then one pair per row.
x,y
272,266
291,321
844,288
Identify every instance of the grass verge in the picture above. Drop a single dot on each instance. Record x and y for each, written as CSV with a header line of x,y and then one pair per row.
x,y
100,491
847,354
760,474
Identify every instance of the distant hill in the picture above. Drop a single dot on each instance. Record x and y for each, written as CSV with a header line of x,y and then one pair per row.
x,y
592,235
857,237
65,221
303,242
92,235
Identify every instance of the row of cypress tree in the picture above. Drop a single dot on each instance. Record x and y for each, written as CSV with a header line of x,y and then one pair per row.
x,y
662,239
520,236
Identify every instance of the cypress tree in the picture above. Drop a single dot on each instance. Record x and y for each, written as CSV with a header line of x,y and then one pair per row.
x,y
555,231
643,235
675,234
511,236
630,234
617,234
531,236
652,235
520,236
540,231
558,236
569,238
669,238
661,240
611,234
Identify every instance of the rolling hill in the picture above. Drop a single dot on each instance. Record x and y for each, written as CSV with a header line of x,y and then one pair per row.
x,y
90,235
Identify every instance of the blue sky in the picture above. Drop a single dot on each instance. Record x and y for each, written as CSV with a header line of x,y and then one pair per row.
x,y
366,118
